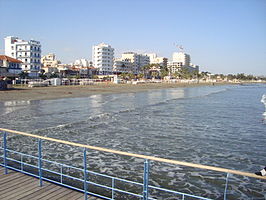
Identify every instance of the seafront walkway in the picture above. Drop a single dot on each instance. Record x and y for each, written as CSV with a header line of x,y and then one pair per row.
x,y
16,185
30,175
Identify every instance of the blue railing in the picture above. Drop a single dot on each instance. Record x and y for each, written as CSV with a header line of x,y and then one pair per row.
x,y
38,170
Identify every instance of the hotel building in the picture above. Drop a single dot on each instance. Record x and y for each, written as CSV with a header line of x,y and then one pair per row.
x,y
29,52
103,58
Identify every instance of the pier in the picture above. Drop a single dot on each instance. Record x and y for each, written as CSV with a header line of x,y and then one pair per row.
x,y
15,170
16,185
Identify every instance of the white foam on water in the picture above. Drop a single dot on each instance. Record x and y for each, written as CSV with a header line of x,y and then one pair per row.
x,y
263,100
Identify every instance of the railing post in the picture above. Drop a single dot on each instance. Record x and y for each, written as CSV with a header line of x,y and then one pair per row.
x,y
85,173
21,162
61,172
226,184
5,152
40,160
113,186
146,180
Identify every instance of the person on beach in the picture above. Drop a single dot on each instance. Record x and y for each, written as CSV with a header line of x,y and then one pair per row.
x,y
262,172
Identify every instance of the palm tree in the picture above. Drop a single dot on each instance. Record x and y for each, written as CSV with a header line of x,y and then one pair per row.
x,y
24,75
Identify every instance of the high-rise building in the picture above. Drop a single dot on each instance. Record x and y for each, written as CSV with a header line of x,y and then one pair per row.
x,y
103,58
29,52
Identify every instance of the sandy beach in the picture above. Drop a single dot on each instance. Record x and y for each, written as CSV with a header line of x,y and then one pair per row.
x,y
44,93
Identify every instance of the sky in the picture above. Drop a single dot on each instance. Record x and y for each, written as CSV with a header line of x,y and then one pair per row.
x,y
221,36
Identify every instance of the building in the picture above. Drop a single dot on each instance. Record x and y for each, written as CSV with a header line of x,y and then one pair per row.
x,y
9,67
181,59
50,64
137,60
82,62
154,59
29,52
143,60
173,67
103,58
50,60
123,66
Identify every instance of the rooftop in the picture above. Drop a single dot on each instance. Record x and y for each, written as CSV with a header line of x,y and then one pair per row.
x,y
9,59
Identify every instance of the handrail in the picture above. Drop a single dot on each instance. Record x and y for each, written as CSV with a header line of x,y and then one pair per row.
x,y
175,162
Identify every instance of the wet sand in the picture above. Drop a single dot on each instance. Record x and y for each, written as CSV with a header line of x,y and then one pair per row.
x,y
51,92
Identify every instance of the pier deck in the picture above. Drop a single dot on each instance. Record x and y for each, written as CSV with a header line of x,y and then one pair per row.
x,y
16,185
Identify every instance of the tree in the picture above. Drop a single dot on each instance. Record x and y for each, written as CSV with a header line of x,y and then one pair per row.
x,y
140,75
164,71
145,69
241,76
42,74
24,75
231,77
184,73
154,74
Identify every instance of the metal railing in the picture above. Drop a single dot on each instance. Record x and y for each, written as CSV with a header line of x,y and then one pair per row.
x,y
21,164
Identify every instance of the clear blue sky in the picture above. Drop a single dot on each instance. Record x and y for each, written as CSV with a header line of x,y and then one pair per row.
x,y
222,36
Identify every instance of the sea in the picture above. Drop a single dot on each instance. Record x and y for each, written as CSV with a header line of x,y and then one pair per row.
x,y
220,125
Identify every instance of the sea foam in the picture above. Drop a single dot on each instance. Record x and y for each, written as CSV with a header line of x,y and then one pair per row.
x,y
263,100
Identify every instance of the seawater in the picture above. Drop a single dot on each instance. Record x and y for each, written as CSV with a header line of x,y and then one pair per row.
x,y
214,125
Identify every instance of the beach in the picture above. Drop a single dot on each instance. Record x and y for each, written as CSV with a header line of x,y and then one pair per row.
x,y
52,92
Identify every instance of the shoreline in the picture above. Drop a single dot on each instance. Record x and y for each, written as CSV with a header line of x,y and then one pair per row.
x,y
58,92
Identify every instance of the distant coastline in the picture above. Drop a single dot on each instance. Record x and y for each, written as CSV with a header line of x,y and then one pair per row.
x,y
46,93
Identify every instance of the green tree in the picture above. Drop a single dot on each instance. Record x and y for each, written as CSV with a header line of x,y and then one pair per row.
x,y
241,76
24,75
164,71
184,73
42,74
145,70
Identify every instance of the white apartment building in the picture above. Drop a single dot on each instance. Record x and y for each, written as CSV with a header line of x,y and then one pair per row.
x,y
154,59
137,60
29,52
173,67
181,58
103,58
123,66
82,62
